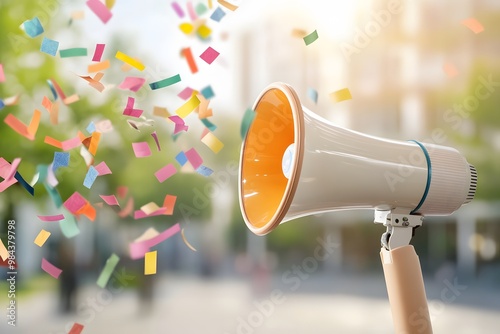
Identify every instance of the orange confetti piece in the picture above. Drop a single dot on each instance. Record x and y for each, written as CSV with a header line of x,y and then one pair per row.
x,y
299,33
21,128
169,204
190,60
228,5
203,110
450,70
474,25
129,207
98,67
88,211
71,99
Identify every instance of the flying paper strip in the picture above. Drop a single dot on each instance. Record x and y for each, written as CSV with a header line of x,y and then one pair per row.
x,y
165,172
299,33
209,55
139,214
203,31
450,70
4,254
103,169
33,27
188,107
74,52
41,238
212,127
99,49
204,170
132,83
98,67
165,82
25,184
181,158
65,145
61,159
207,92
180,125
129,109
161,112
201,9
50,269
190,60
13,169
68,226
186,28
212,142
92,174
100,9
2,75
150,263
191,12
52,218
169,204
474,25
129,60
313,94
107,271
178,9
341,95
228,5
246,122
155,137
25,131
186,242
109,199
141,149
311,37
218,14
186,93
49,46
139,249
76,329
194,158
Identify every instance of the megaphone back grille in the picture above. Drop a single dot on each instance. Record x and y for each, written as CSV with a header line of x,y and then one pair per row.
x,y
265,191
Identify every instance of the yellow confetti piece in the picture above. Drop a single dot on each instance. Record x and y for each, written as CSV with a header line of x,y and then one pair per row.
x,y
150,263
228,5
210,5
341,95
188,107
186,242
4,254
203,31
129,60
150,208
41,238
186,28
110,3
212,142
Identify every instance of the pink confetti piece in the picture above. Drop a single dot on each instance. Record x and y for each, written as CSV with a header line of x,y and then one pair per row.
x,y
51,218
110,199
103,169
122,191
450,70
99,49
139,214
100,10
141,149
50,269
155,137
2,75
132,83
13,168
129,109
165,172
138,249
75,202
209,55
191,12
180,125
71,143
186,93
474,25
4,170
178,9
194,158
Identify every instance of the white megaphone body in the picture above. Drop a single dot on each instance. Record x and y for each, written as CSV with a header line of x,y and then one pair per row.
x,y
294,163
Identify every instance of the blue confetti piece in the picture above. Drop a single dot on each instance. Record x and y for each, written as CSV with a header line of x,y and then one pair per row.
x,y
33,27
207,92
204,170
218,14
1,104
211,126
92,174
25,184
91,128
52,89
49,46
181,158
61,159
313,94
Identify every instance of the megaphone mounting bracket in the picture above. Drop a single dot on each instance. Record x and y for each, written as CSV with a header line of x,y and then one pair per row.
x,y
400,226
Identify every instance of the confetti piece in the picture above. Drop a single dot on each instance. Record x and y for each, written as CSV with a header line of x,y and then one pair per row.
x,y
150,263
313,94
165,172
33,27
210,5
299,33
99,49
139,249
228,5
178,9
74,52
51,218
12,100
71,99
4,170
92,174
101,66
4,254
194,158
150,208
161,112
191,12
203,31
212,127
148,234
129,207
68,226
181,158
141,149
212,142
13,169
94,142
209,55
186,242
104,126
110,3
139,214
474,25
169,204
19,127
65,145
78,15
41,238
450,70
103,169
204,170
201,9
203,110
311,37
76,329
129,60
132,83
61,159
129,109
24,184
75,202
179,124
341,95
2,75
246,122
207,92
100,10
107,271
186,28
49,46
50,269
165,82
155,137
190,60
93,82
218,14
110,199
186,93
188,107
91,127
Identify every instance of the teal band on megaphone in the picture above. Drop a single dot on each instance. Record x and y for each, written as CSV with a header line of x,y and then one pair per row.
x,y
429,176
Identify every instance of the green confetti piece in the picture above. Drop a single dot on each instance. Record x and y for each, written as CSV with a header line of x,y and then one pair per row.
x,y
74,52
311,37
201,9
211,126
246,122
68,225
165,82
107,271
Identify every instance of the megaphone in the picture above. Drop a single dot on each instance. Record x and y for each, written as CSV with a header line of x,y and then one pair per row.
x,y
294,163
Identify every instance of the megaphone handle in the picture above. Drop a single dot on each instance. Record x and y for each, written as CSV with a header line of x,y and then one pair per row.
x,y
405,288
